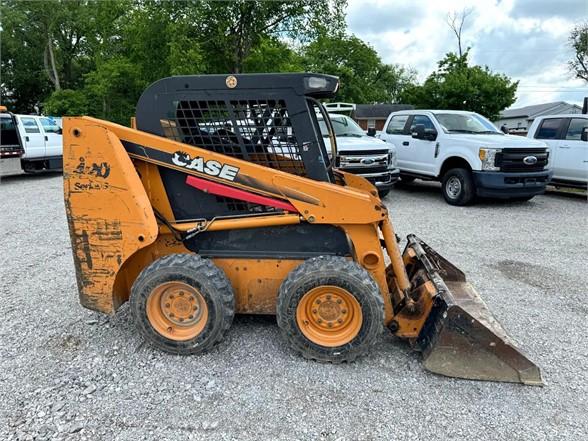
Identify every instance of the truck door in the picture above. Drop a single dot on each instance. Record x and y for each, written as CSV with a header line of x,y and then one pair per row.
x,y
396,134
550,131
53,137
33,139
573,152
422,151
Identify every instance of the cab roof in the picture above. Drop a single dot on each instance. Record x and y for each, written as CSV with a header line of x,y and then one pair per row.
x,y
309,84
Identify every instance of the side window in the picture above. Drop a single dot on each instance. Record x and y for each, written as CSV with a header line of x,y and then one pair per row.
x,y
549,128
50,126
422,119
575,129
396,124
30,125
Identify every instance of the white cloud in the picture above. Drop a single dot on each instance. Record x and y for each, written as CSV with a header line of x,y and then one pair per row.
x,y
524,39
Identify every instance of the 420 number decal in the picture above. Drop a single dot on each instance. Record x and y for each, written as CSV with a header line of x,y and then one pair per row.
x,y
211,167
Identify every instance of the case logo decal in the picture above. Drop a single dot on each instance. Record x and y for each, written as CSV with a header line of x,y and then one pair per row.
x,y
211,167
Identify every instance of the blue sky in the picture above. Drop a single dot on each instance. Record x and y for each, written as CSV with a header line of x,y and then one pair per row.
x,y
525,39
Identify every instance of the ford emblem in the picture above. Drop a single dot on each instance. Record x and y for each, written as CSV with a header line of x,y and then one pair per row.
x,y
370,161
530,160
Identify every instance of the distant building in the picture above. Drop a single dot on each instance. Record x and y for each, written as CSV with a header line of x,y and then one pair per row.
x,y
375,115
519,120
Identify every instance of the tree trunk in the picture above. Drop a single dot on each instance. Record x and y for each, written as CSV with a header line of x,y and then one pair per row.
x,y
50,66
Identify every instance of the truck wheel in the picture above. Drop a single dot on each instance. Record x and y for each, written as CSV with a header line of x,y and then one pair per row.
x,y
458,187
182,304
330,309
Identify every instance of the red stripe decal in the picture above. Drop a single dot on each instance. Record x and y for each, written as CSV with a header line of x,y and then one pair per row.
x,y
235,193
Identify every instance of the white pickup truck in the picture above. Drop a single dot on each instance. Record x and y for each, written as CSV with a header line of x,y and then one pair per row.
x,y
567,137
468,154
39,140
361,154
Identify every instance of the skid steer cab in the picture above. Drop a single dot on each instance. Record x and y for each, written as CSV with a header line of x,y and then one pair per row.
x,y
222,200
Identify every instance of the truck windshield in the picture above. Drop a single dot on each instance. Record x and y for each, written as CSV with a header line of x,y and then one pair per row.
x,y
466,123
343,125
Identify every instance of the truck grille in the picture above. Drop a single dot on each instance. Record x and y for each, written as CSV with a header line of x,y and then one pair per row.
x,y
512,160
370,161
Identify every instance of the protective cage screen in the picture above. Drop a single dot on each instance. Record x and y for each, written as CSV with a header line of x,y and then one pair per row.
x,y
258,131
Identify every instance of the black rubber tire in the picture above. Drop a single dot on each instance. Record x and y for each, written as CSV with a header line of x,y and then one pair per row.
x,y
211,282
337,271
406,179
467,194
383,193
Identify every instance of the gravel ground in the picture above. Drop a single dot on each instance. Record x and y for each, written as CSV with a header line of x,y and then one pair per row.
x,y
68,373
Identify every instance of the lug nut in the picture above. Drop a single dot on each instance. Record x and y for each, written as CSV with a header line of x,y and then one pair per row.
x,y
339,321
181,319
318,301
314,311
167,305
320,320
195,308
169,329
339,301
190,317
171,314
181,293
343,311
330,325
328,296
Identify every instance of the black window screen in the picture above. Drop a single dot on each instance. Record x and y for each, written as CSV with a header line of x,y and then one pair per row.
x,y
258,131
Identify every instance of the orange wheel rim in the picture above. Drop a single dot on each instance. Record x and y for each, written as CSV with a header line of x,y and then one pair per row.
x,y
329,316
177,311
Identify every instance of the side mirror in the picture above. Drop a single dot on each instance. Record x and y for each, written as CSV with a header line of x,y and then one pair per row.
x,y
504,130
431,134
418,131
59,131
584,136
371,131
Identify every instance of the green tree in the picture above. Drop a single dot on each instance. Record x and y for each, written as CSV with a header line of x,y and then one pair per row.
x,y
160,38
457,85
273,55
96,57
113,90
50,45
231,31
579,43
363,76
66,102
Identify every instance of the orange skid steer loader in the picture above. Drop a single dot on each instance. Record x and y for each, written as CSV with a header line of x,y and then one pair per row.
x,y
222,199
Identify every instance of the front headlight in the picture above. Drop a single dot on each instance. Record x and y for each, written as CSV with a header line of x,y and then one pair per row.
x,y
488,158
393,159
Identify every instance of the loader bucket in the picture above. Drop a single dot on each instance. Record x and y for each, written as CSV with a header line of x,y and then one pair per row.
x,y
461,338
